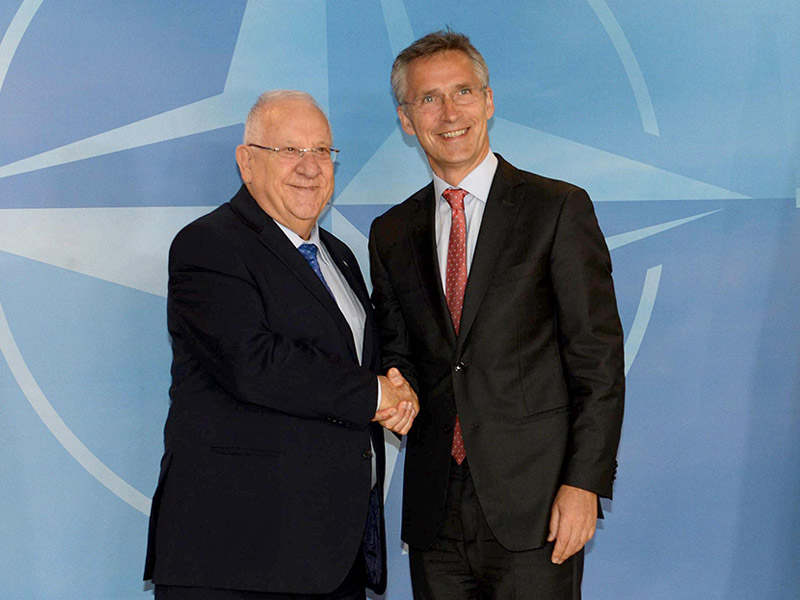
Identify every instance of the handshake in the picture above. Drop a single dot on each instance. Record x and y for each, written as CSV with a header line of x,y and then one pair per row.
x,y
399,403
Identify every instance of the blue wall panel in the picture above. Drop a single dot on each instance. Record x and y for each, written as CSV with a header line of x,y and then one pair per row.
x,y
118,122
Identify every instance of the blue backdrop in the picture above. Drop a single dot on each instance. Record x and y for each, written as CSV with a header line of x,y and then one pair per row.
x,y
118,122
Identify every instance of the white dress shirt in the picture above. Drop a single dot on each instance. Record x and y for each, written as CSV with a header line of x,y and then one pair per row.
x,y
346,299
477,184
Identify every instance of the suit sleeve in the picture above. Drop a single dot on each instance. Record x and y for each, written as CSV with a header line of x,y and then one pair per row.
x,y
395,347
218,321
590,338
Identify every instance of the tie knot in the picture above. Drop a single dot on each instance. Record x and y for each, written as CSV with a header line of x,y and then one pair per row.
x,y
309,252
455,198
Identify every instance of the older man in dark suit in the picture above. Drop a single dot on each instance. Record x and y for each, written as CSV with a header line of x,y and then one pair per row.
x,y
271,481
494,297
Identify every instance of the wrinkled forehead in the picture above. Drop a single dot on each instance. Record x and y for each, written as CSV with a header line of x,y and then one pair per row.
x,y
444,71
296,119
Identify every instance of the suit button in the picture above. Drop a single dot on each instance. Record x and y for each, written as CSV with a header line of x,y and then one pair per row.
x,y
447,429
367,454
459,366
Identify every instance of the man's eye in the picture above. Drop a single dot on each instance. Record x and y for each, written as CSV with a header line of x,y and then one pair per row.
x,y
320,150
290,150
427,99
464,92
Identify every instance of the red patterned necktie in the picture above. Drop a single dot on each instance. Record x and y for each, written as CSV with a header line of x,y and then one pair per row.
x,y
456,283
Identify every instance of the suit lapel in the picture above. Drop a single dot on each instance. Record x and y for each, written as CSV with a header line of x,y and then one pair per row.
x,y
271,236
356,283
423,242
501,209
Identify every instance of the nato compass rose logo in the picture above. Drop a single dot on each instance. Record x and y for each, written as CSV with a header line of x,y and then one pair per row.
x,y
118,129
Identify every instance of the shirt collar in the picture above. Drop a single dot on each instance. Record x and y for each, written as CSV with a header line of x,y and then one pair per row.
x,y
297,240
478,182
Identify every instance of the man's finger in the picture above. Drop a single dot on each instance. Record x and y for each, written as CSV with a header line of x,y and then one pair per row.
x,y
403,419
393,421
384,413
405,425
576,541
573,544
554,517
396,377
562,538
402,424
408,415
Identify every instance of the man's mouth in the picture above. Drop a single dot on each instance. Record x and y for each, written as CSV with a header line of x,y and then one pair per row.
x,y
454,134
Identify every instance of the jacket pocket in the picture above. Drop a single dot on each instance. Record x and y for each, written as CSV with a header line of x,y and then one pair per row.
x,y
239,451
515,272
551,412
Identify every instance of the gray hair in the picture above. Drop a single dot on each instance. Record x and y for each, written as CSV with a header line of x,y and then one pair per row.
x,y
434,43
252,126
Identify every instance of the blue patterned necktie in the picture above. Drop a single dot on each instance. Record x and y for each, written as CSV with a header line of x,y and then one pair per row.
x,y
309,252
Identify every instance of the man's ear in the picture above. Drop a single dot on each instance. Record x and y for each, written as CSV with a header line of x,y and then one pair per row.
x,y
244,156
405,122
489,103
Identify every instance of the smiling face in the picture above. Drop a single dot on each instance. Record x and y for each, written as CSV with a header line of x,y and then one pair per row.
x,y
455,139
293,192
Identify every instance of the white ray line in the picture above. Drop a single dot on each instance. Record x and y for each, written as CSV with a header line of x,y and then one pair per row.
x,y
643,313
259,62
198,117
395,166
12,38
616,241
629,62
398,25
51,419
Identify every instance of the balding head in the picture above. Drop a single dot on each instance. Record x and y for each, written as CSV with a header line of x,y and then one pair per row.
x,y
259,113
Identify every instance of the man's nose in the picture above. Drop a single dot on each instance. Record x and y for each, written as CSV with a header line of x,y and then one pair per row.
x,y
307,165
450,109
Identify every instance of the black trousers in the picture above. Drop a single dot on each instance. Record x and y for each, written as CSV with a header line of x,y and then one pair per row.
x,y
351,589
466,562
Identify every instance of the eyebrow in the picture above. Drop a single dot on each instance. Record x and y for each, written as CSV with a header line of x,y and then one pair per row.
x,y
458,86
313,145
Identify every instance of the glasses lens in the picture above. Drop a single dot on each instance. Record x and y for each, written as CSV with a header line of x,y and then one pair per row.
x,y
290,153
434,103
428,103
467,96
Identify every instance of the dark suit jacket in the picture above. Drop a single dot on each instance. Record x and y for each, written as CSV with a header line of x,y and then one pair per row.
x,y
266,474
536,371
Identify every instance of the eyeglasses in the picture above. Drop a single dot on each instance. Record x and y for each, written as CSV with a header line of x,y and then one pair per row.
x,y
435,102
320,153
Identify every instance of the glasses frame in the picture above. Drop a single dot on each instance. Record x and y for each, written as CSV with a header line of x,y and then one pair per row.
x,y
437,106
333,153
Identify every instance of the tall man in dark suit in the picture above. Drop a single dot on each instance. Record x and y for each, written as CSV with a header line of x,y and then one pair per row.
x,y
271,481
494,298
